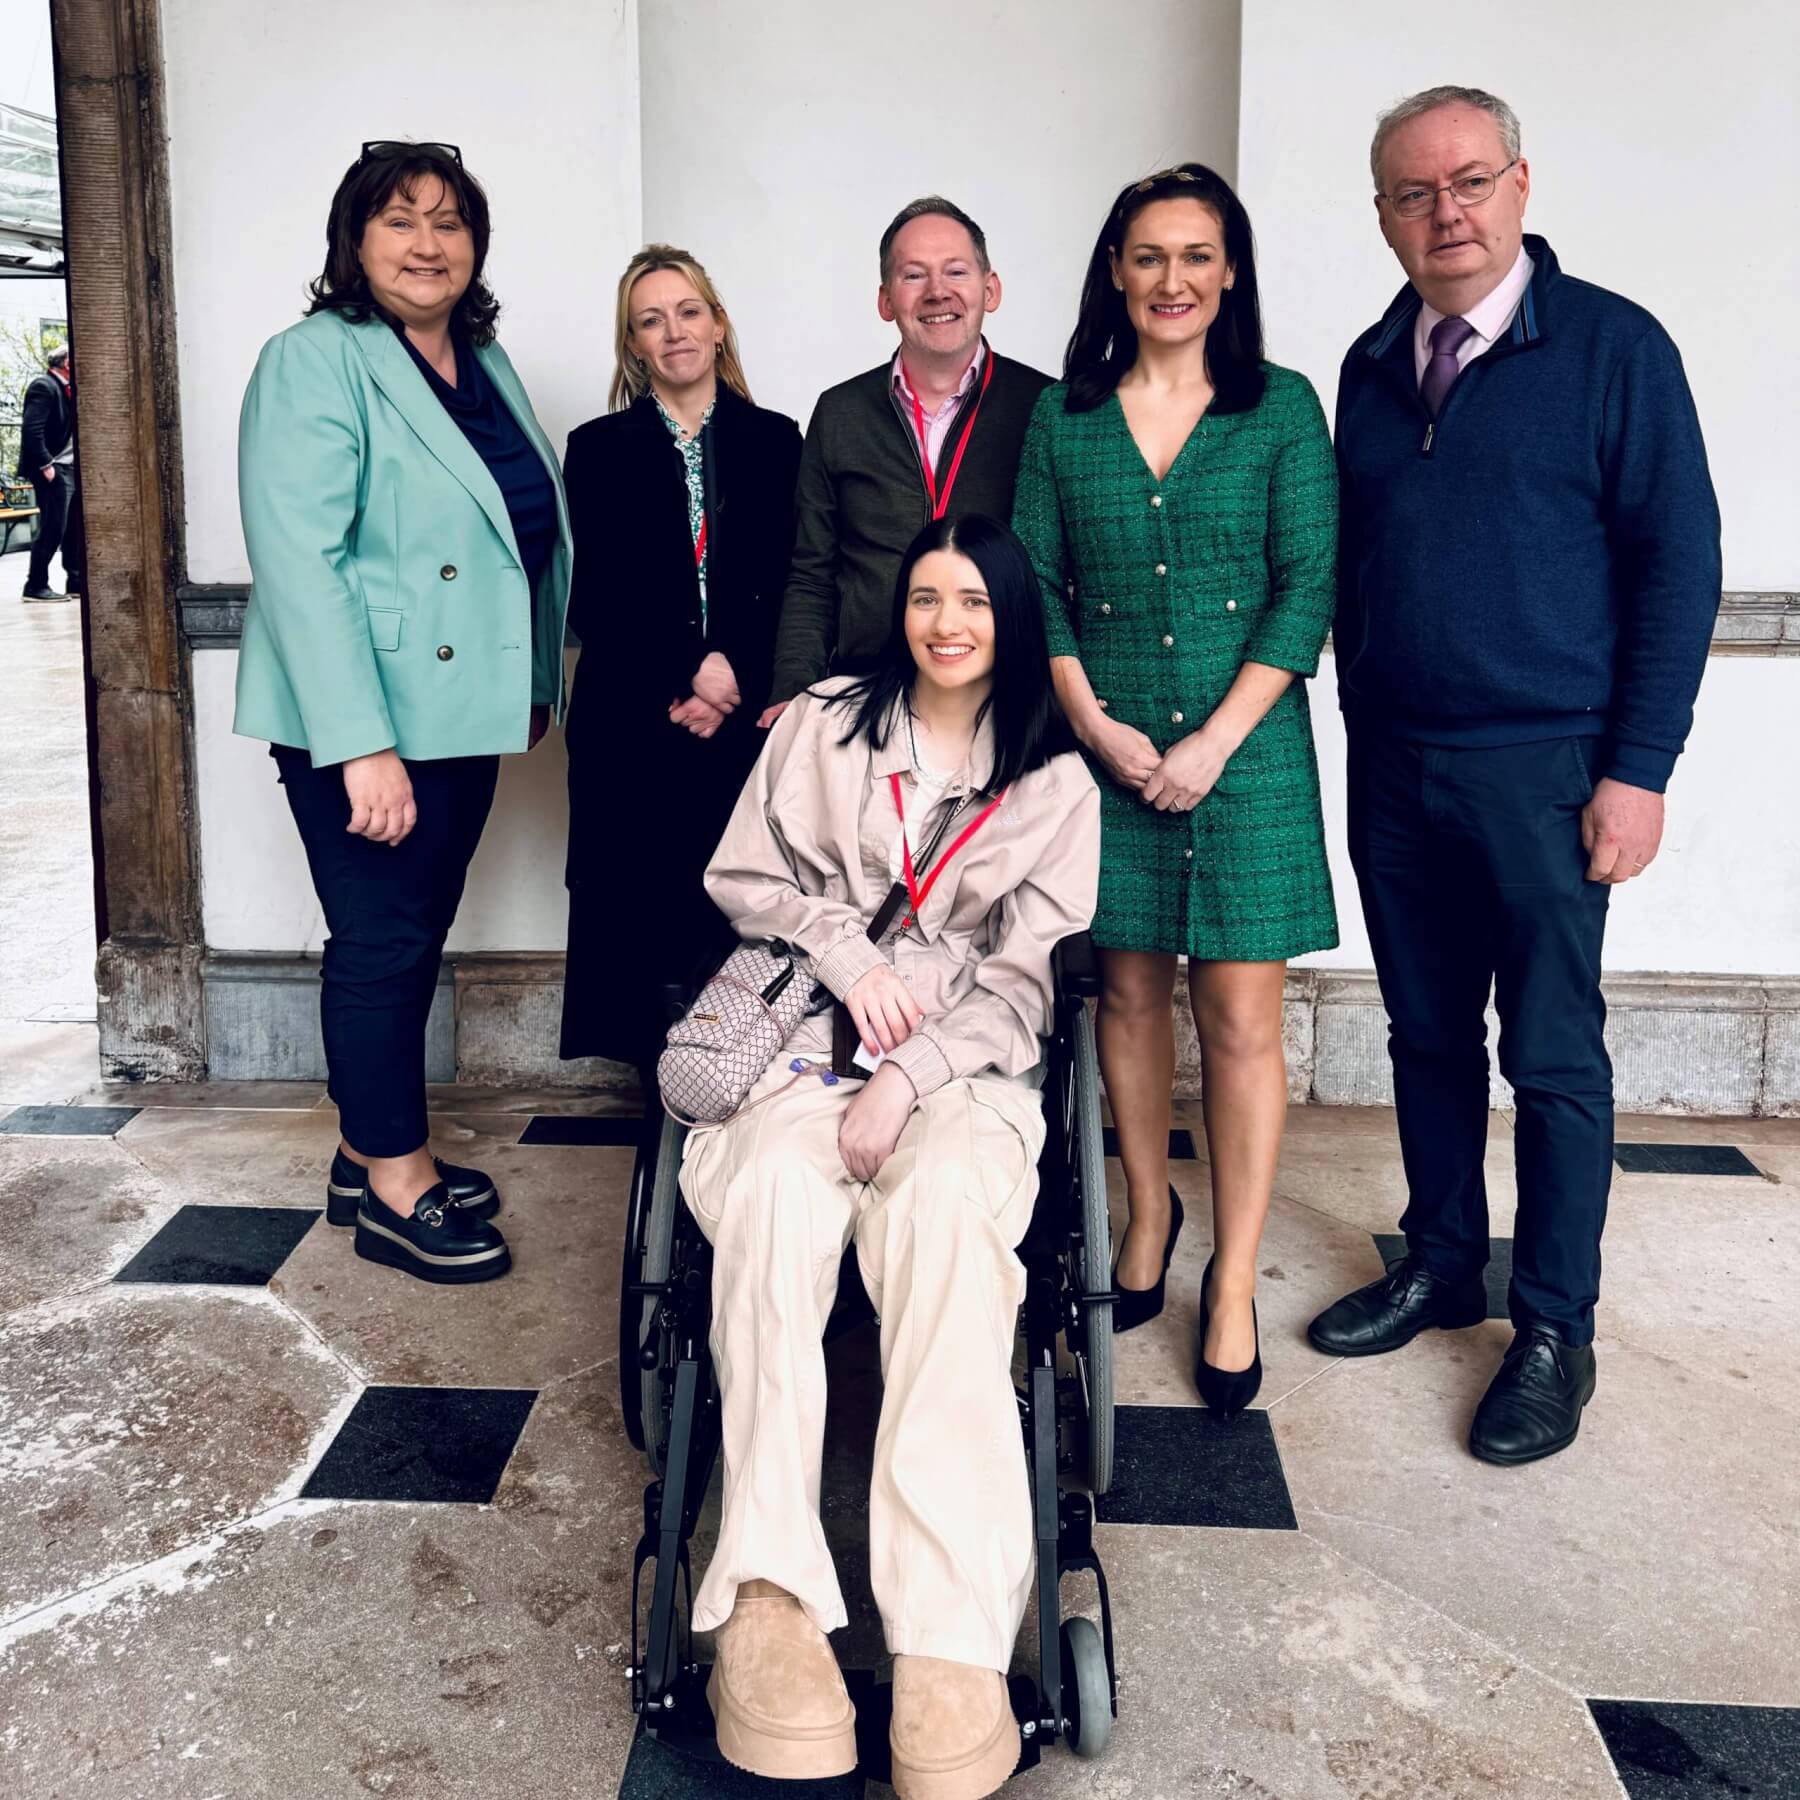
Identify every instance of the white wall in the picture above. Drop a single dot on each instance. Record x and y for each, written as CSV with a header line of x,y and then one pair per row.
x,y
1662,139
780,138
1723,896
267,108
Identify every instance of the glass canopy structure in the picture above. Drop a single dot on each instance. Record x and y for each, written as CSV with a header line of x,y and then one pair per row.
x,y
31,231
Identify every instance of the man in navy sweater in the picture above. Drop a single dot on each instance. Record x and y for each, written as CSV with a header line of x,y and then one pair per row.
x,y
1529,570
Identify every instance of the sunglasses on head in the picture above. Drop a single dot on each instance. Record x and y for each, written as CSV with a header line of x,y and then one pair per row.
x,y
400,147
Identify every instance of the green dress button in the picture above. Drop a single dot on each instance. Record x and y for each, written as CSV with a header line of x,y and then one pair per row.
x,y
448,571
445,653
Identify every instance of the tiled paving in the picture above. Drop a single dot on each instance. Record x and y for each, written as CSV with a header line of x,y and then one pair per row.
x,y
291,1525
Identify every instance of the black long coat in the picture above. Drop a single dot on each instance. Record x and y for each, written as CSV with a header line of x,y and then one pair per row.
x,y
648,801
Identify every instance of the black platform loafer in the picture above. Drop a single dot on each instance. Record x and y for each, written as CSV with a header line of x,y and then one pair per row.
x,y
1138,1306
1393,1311
1226,1391
1533,1406
439,1242
471,1192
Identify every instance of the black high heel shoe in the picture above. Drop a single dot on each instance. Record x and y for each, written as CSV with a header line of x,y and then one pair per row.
x,y
1138,1306
1226,1391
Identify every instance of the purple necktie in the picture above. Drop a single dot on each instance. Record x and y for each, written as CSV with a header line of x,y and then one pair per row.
x,y
1447,337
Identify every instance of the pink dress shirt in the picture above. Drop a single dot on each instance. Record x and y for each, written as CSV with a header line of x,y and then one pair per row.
x,y
937,424
1491,318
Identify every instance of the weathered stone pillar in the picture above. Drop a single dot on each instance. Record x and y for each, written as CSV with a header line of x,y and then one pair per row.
x,y
140,707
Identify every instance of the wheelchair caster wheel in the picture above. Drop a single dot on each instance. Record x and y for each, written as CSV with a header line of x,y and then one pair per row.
x,y
1086,1692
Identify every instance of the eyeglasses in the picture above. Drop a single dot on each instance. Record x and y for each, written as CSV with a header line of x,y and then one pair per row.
x,y
399,147
1415,200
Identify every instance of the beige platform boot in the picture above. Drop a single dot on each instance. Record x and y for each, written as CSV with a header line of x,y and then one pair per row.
x,y
953,1735
777,1696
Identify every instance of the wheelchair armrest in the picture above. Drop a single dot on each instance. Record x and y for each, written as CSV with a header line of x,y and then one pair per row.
x,y
1075,966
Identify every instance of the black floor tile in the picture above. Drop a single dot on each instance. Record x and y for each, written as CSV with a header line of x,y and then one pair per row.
x,y
1181,1145
1664,1750
422,1444
566,1130
241,1246
1392,1246
1683,1159
67,1121
1184,1465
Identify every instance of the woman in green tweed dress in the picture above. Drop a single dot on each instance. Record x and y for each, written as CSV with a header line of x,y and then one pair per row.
x,y
1179,498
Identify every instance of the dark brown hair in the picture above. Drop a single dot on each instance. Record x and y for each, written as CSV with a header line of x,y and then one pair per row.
x,y
1105,343
368,185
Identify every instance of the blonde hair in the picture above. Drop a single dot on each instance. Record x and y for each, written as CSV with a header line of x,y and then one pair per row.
x,y
630,375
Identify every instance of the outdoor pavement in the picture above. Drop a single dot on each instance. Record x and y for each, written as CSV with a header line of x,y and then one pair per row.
x,y
276,1523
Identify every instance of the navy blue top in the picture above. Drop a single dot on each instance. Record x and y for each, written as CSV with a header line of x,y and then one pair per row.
x,y
499,440
1543,560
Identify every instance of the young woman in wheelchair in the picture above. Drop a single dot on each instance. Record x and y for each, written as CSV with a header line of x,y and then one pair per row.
x,y
943,786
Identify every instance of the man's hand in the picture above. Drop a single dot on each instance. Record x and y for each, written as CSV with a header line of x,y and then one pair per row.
x,y
697,715
381,797
49,471
1130,757
715,683
772,713
1186,775
874,1120
883,1008
540,723
1621,830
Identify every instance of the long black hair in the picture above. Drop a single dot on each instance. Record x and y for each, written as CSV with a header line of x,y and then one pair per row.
x,y
1105,343
1028,725
368,185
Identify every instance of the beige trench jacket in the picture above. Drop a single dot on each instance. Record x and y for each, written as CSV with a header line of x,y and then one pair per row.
x,y
806,858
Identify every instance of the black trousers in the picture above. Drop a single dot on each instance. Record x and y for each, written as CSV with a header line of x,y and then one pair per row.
x,y
52,499
1472,873
388,908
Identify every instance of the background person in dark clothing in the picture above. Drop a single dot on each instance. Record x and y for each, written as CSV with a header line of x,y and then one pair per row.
x,y
935,433
1529,570
47,461
682,502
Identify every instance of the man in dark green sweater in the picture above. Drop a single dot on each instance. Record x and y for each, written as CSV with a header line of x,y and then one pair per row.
x,y
935,431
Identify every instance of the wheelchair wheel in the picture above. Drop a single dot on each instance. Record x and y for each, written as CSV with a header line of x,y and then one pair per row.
x,y
1086,1692
642,1387
1088,1166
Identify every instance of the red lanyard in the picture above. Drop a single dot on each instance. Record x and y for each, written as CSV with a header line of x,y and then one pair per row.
x,y
700,544
916,893
939,507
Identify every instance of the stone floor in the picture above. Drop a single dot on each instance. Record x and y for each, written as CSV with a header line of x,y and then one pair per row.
x,y
283,1523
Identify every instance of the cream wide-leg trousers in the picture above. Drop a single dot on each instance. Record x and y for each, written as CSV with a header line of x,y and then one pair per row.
x,y
950,1537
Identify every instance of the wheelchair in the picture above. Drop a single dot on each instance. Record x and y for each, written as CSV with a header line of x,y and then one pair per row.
x,y
671,1404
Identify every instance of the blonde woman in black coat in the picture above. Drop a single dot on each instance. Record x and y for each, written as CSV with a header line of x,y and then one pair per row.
x,y
682,503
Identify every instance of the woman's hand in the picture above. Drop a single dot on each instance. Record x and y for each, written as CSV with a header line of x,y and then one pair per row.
x,y
381,797
716,684
1130,757
1186,775
874,1120
884,1010
696,715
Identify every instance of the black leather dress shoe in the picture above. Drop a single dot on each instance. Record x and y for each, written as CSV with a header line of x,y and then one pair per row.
x,y
1138,1306
1226,1391
471,1192
1533,1406
440,1242
1393,1311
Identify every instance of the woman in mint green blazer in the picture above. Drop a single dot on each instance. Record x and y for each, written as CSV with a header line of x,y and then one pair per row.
x,y
409,543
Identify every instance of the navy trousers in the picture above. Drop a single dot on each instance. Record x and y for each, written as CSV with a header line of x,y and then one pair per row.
x,y
388,908
1472,875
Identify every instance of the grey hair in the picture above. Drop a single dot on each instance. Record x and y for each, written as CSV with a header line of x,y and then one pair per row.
x,y
57,357
1429,101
